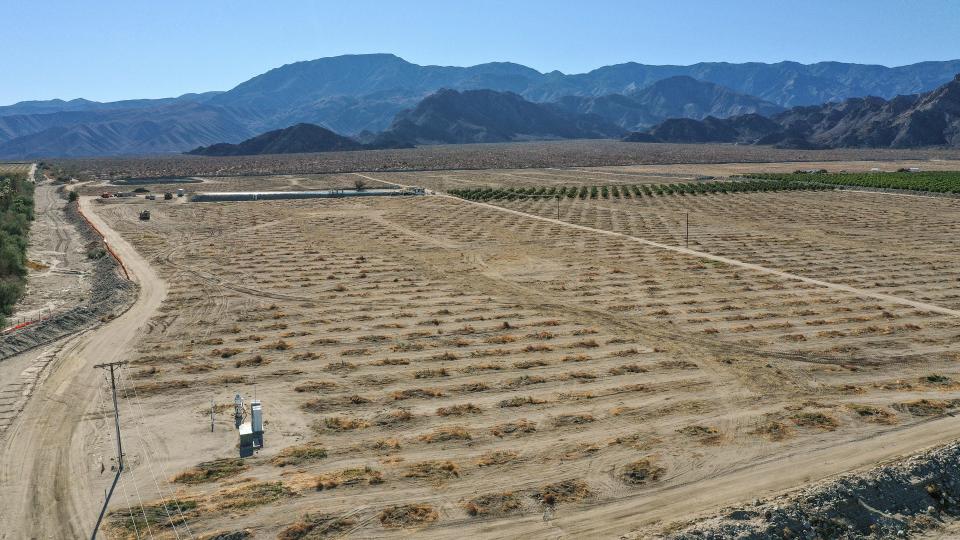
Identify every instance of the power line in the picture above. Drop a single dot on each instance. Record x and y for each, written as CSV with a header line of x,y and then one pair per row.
x,y
176,503
143,448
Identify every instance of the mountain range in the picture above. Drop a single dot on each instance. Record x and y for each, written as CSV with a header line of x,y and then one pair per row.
x,y
927,119
360,95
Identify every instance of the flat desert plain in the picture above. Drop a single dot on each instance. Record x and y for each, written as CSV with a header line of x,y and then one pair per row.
x,y
434,366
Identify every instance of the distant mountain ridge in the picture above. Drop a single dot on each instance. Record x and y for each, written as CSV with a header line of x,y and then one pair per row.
x,y
294,139
354,93
928,119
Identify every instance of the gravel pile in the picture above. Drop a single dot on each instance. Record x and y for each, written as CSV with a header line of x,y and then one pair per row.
x,y
898,500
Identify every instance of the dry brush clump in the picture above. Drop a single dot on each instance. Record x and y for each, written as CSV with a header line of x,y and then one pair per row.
x,y
704,434
248,495
210,471
927,407
518,427
349,477
519,401
435,470
564,491
642,472
407,515
493,504
317,526
128,522
342,423
873,414
299,454
497,457
444,434
412,393
815,419
461,409
572,419
315,386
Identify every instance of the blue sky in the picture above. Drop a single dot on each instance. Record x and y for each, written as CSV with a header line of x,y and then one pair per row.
x,y
109,49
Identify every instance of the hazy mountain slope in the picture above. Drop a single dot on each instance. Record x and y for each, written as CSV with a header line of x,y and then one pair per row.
x,y
453,117
164,130
85,105
675,97
784,83
291,140
929,119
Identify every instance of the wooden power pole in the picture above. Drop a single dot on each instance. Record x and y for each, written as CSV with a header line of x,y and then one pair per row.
x,y
112,366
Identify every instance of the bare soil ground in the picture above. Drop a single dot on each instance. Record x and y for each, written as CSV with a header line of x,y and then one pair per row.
x,y
450,368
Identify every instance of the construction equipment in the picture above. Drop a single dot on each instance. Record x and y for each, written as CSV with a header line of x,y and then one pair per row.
x,y
106,195
144,215
181,192
150,197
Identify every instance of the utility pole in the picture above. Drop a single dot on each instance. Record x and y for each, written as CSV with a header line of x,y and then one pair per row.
x,y
687,218
116,420
211,416
558,208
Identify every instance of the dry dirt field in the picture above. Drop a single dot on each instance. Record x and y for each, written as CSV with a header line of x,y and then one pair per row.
x,y
449,368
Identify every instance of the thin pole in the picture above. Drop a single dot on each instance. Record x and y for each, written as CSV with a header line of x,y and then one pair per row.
x,y
211,416
687,216
558,208
116,421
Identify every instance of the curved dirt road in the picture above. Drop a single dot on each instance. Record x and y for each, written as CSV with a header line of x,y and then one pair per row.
x,y
45,456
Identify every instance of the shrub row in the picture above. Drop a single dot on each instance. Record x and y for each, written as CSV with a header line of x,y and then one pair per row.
x,y
933,181
635,191
16,214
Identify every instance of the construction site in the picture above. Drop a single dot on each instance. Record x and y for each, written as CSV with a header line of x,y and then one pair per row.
x,y
387,354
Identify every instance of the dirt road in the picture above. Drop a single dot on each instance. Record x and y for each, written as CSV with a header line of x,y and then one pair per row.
x,y
50,444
